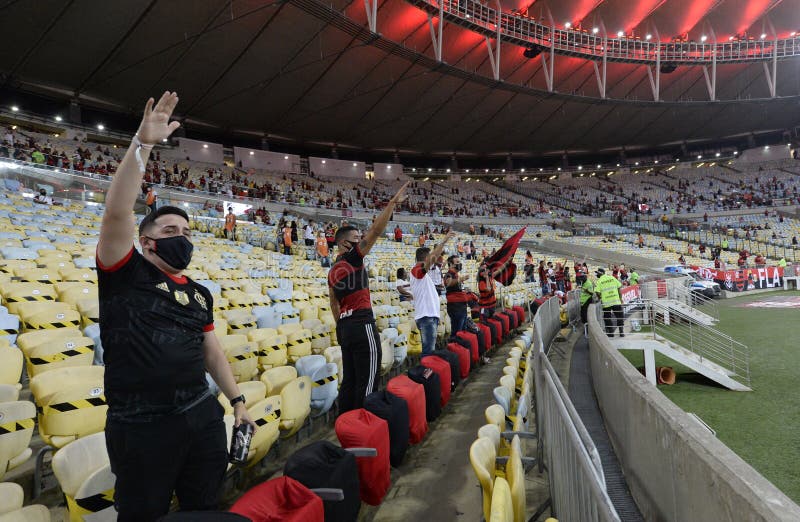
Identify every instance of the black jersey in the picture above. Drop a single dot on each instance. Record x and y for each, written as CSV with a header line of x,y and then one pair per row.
x,y
152,327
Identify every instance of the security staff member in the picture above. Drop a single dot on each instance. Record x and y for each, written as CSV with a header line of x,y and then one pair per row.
x,y
164,429
457,298
607,288
633,277
587,291
348,285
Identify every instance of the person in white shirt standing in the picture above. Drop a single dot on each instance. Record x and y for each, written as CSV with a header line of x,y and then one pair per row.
x,y
308,234
426,298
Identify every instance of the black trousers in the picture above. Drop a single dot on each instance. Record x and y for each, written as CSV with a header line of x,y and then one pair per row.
x,y
185,453
611,315
585,311
361,362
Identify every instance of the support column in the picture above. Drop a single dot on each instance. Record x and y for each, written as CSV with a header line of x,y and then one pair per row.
x,y
494,55
437,39
264,143
75,112
371,7
601,77
548,67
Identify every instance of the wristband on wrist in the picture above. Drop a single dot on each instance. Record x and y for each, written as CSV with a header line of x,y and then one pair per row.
x,y
138,152
237,400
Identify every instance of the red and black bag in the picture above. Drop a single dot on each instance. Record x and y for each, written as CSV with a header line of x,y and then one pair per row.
x,y
362,429
430,382
463,358
414,395
442,368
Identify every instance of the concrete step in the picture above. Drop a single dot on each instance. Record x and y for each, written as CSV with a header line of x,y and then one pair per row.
x,y
686,310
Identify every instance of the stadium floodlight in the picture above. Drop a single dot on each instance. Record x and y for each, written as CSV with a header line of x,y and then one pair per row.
x,y
567,25
703,38
717,155
286,157
522,170
617,164
730,38
58,118
486,170
14,108
165,140
100,126
793,33
580,167
656,162
766,147
413,170
558,169
389,167
595,30
205,145
355,164
323,162
448,171
429,169
620,34
598,165
637,163
699,156
540,169
763,35
503,170
251,152
467,171
648,36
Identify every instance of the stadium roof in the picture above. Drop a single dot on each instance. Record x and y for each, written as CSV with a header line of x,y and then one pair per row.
x,y
312,72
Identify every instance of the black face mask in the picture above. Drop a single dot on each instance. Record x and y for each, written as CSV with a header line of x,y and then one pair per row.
x,y
175,251
458,267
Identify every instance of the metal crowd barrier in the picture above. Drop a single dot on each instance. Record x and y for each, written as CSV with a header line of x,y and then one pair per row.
x,y
577,484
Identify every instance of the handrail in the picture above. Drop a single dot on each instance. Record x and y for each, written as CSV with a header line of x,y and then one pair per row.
x,y
528,32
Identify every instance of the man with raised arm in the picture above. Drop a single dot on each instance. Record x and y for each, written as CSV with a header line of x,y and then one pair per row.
x,y
351,307
164,430
426,298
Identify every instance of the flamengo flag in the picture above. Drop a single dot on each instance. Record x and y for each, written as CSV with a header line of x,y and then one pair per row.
x,y
506,252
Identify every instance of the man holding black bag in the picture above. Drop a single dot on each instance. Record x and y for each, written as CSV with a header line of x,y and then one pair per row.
x,y
164,431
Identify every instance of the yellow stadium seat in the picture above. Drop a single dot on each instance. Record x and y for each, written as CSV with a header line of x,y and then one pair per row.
x,y
253,392
38,275
71,403
89,310
17,419
10,265
482,456
295,405
276,378
48,316
241,355
29,340
298,342
502,509
10,365
84,474
387,356
333,354
272,351
59,352
19,294
266,413
259,334
73,292
240,320
515,474
79,275
9,392
220,326
12,497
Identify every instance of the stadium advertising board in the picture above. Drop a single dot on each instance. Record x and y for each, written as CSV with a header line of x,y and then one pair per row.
x,y
744,279
631,297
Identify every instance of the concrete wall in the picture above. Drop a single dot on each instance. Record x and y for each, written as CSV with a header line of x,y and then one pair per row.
x,y
266,160
388,171
675,468
333,168
202,151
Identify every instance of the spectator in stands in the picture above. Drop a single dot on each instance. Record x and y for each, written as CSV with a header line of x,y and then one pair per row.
x,y
398,234
457,299
486,296
323,253
151,198
587,292
348,283
330,233
287,239
164,430
295,237
607,288
403,285
435,273
308,233
37,157
426,297
230,225
42,198
633,277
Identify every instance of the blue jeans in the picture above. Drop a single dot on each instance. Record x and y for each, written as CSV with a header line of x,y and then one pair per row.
x,y
458,317
427,329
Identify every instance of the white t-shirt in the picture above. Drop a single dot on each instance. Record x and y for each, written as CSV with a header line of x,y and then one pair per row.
x,y
309,232
47,200
435,274
426,299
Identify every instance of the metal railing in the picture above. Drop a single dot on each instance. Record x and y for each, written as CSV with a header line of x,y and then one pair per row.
x,y
678,289
709,344
526,31
575,471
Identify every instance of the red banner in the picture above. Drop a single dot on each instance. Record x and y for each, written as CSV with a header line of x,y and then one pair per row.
x,y
631,296
744,279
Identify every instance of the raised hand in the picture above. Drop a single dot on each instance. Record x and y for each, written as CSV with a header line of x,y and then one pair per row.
x,y
155,125
401,194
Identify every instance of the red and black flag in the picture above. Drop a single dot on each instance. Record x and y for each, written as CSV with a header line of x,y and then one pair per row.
x,y
506,253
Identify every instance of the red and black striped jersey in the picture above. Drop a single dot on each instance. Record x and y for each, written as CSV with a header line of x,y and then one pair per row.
x,y
348,280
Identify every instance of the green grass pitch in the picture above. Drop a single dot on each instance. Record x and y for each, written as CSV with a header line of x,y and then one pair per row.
x,y
762,426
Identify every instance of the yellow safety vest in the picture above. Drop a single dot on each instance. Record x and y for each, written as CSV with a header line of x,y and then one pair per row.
x,y
587,289
608,288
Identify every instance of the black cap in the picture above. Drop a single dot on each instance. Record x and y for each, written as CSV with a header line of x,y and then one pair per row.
x,y
599,272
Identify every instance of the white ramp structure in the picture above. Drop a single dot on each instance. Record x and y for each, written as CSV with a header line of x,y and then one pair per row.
x,y
687,339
